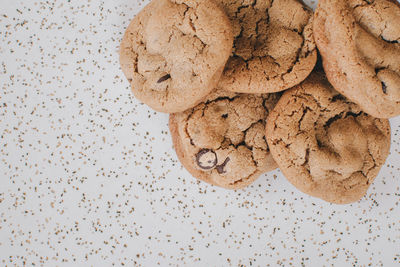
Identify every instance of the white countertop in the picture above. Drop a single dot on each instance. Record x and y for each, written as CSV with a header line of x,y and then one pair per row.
x,y
89,176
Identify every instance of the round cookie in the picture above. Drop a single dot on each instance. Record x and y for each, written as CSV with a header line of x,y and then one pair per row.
x,y
359,41
173,52
273,46
222,140
324,144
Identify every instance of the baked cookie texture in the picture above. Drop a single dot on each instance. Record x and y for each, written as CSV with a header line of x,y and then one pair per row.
x,y
222,140
359,41
324,144
273,47
173,52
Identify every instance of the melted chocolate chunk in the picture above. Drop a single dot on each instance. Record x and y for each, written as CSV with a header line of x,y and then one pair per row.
x,y
206,159
164,78
221,168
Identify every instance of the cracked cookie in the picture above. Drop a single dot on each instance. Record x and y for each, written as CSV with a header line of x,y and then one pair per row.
x,y
273,46
221,141
359,41
173,52
324,144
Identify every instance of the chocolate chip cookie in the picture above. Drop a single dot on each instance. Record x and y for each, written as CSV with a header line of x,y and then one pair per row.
x,y
173,52
359,41
273,47
324,144
221,141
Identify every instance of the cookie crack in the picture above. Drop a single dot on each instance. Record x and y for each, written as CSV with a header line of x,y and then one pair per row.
x,y
305,110
329,122
192,25
373,159
221,98
366,3
306,164
340,116
299,51
268,9
350,178
320,107
251,126
243,179
186,127
298,54
186,10
268,98
204,106
389,41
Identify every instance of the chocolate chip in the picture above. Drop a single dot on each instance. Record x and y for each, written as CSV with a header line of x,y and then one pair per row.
x,y
384,87
164,78
206,159
224,116
221,168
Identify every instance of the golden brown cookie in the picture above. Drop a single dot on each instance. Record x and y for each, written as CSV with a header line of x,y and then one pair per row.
x,y
359,41
173,52
273,47
324,144
221,141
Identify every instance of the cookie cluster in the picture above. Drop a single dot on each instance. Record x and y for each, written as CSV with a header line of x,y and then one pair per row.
x,y
246,97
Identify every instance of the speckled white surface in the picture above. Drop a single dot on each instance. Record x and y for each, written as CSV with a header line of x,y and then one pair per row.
x,y
89,176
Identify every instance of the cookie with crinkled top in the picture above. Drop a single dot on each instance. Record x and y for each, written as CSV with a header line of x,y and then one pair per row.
x,y
273,46
359,42
173,52
222,140
324,144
